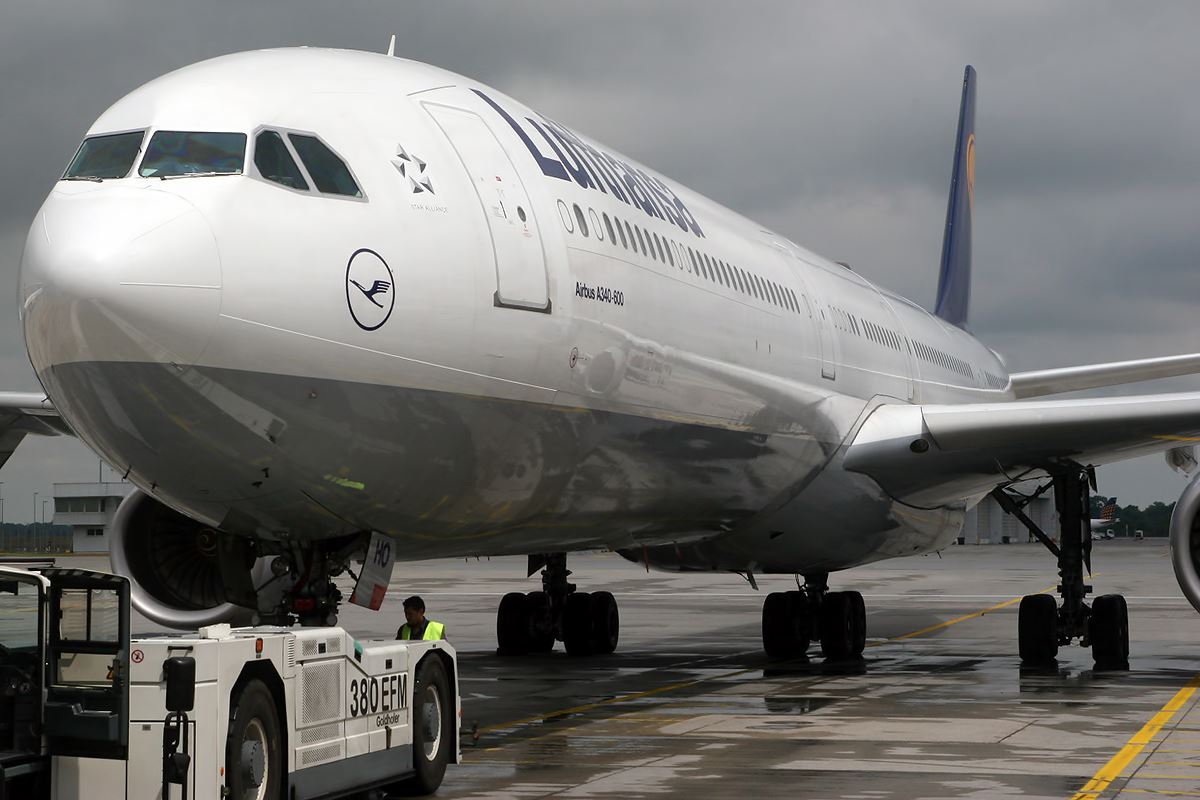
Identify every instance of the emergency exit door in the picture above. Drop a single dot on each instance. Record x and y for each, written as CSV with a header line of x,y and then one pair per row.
x,y
516,242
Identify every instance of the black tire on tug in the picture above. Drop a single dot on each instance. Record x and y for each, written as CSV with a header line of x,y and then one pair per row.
x,y
785,624
577,624
253,749
837,625
606,623
1037,629
433,728
1108,630
858,615
512,625
541,625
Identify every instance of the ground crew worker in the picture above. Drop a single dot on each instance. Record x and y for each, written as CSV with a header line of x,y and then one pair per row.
x,y
416,626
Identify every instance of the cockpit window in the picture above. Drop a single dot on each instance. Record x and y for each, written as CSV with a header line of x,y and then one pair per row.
x,y
328,171
108,156
275,163
186,153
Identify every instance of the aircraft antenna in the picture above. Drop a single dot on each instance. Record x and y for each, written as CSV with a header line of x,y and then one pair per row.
x,y
392,46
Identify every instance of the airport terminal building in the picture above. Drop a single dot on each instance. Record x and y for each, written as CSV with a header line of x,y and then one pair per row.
x,y
88,508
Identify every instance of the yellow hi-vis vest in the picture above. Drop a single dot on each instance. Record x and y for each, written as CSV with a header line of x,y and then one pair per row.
x,y
433,630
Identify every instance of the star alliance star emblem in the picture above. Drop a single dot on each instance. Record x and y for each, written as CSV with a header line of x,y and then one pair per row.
x,y
413,168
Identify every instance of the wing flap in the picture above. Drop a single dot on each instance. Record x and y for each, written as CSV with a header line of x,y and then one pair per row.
x,y
929,455
1092,376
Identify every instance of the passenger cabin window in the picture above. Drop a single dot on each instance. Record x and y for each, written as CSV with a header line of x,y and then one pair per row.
x,y
178,153
275,163
108,156
327,170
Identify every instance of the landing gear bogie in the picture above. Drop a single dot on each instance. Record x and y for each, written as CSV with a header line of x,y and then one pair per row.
x,y
587,623
791,620
1043,624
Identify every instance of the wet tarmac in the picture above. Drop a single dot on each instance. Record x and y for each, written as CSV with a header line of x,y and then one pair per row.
x,y
937,708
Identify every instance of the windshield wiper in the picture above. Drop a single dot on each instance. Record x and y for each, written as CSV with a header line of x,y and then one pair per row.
x,y
91,178
195,175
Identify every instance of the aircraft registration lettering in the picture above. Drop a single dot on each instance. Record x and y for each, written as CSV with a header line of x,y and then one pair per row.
x,y
591,168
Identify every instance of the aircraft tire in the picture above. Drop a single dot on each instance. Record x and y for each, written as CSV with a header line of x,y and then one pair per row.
x,y
838,630
1037,629
785,624
858,613
512,625
1108,630
577,624
541,623
606,623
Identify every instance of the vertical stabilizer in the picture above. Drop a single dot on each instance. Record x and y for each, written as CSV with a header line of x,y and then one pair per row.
x,y
954,283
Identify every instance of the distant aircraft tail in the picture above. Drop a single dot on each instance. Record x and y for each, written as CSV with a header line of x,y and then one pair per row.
x,y
1109,512
954,283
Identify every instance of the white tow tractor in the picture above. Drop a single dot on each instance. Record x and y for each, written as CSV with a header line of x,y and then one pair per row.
x,y
89,713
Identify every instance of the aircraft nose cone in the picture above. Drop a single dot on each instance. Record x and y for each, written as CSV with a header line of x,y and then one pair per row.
x,y
118,274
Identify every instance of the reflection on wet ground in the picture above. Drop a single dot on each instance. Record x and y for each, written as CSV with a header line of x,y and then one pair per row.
x,y
689,705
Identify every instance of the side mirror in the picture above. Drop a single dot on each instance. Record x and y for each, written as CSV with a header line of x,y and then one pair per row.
x,y
180,674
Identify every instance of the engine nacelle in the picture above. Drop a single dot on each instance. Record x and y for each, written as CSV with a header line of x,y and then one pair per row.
x,y
1185,542
173,565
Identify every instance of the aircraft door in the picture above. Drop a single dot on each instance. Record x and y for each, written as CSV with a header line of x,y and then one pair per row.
x,y
516,241
910,357
814,305
24,768
825,334
87,665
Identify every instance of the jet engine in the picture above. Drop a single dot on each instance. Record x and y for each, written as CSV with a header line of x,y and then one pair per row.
x,y
174,565
1185,541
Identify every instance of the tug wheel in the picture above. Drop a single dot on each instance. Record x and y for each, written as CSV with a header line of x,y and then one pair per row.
x,y
252,750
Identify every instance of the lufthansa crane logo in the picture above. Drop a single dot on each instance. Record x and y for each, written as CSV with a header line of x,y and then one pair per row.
x,y
370,289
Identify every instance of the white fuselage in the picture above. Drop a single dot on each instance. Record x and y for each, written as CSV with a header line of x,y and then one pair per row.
x,y
521,386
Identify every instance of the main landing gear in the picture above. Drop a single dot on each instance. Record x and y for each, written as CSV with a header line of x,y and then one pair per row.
x,y
587,623
838,620
1043,625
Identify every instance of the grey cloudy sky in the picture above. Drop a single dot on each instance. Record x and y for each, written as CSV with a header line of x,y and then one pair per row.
x,y
832,123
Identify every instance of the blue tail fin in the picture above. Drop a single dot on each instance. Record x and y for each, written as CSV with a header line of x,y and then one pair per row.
x,y
954,283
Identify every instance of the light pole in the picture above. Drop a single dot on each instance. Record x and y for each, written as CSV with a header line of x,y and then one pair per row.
x,y
35,497
44,539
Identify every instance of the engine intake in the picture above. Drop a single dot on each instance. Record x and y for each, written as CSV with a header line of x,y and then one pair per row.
x,y
172,563
1185,542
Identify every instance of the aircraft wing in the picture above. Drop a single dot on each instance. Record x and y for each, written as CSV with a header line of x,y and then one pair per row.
x,y
23,413
1090,376
932,454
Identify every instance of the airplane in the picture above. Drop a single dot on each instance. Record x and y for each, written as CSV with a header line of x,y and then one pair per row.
x,y
1108,516
561,350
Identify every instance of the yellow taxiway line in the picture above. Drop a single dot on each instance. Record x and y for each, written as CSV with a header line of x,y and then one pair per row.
x,y
1117,764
